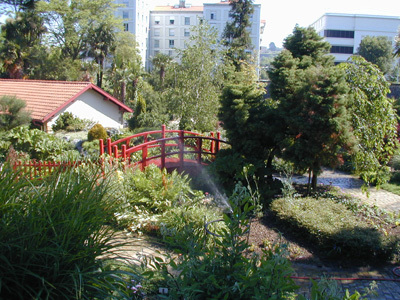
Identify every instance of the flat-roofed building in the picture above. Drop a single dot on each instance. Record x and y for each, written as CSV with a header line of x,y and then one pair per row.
x,y
135,15
170,27
345,31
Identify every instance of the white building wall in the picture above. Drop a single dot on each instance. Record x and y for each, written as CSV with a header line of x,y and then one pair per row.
x,y
91,105
135,15
217,15
361,25
168,27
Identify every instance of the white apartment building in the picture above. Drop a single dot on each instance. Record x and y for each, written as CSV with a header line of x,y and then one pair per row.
x,y
135,15
345,31
217,15
170,27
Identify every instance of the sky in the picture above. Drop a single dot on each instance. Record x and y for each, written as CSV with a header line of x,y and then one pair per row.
x,y
282,16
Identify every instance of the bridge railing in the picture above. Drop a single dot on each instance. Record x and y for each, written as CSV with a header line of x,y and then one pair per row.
x,y
185,143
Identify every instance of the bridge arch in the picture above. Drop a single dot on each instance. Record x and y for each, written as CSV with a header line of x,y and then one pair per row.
x,y
171,149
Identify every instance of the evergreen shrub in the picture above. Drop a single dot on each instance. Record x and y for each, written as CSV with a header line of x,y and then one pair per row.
x,y
97,132
336,230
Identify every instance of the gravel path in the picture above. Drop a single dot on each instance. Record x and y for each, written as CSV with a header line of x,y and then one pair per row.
x,y
352,185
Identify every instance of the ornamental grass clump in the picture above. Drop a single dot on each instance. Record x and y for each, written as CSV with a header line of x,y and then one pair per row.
x,y
54,235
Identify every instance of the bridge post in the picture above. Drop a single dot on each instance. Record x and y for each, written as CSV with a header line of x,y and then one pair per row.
x,y
124,155
181,145
109,146
199,148
212,147
163,147
144,153
101,147
219,141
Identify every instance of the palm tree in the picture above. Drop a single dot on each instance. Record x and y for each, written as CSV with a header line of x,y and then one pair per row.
x,y
161,61
101,41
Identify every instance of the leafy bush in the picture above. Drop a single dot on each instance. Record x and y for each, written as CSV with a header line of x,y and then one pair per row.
x,y
91,149
97,132
35,143
54,237
395,161
147,194
12,113
336,229
223,270
186,223
67,121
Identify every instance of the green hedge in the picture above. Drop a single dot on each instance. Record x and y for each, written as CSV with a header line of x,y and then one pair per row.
x,y
336,230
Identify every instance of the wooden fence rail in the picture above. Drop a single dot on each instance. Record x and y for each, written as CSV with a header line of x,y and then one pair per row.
x,y
38,169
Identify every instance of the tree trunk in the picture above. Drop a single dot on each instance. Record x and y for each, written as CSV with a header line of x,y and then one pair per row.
x,y
100,74
123,91
314,181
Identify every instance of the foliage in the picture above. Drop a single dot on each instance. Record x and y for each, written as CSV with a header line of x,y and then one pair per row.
x,y
35,143
222,270
91,149
312,102
67,121
377,50
146,194
335,229
70,23
327,289
197,81
374,120
236,34
161,62
21,45
126,69
100,43
54,237
244,110
97,132
12,113
186,222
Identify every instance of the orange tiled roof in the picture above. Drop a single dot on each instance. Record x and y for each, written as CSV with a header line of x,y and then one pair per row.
x,y
45,98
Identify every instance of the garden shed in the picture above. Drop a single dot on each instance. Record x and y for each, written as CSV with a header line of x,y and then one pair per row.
x,y
47,100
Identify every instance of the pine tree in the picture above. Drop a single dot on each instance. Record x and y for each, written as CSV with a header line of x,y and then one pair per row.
x,y
236,35
311,92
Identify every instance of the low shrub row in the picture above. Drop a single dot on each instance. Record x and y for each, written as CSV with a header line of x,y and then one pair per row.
x,y
338,231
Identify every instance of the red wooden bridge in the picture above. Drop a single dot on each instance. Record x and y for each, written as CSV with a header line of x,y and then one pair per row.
x,y
170,149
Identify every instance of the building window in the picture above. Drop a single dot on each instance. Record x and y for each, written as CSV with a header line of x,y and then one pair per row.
x,y
125,2
171,32
125,14
171,20
156,32
212,16
342,49
170,52
126,27
187,32
339,34
156,43
187,20
157,20
156,52
171,43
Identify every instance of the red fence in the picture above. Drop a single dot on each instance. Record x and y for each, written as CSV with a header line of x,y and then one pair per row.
x,y
39,169
181,144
